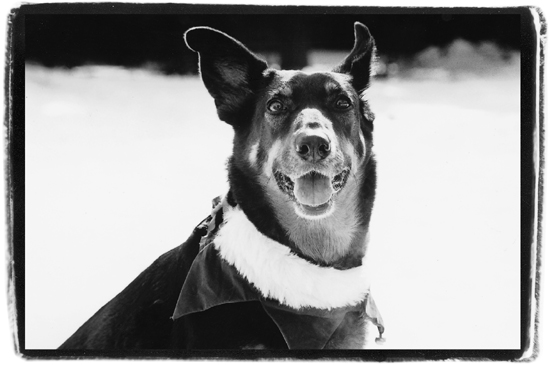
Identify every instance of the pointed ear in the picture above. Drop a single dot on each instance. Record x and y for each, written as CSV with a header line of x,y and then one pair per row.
x,y
229,70
358,62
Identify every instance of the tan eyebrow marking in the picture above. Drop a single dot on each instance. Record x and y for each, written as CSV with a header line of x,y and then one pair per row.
x,y
284,91
332,87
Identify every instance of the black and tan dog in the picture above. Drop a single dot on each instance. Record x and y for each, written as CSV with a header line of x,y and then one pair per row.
x,y
278,264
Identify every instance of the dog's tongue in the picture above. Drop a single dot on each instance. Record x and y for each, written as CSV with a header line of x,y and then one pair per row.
x,y
313,189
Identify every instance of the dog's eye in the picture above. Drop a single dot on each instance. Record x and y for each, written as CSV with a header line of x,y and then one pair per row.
x,y
275,106
343,103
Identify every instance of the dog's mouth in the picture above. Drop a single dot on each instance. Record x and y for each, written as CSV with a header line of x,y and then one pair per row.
x,y
313,191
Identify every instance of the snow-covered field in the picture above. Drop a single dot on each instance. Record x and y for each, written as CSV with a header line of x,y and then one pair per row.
x,y
121,165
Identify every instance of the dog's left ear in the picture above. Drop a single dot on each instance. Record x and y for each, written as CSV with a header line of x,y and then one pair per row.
x,y
229,70
358,62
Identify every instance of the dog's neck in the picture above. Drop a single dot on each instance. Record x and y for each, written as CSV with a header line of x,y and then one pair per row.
x,y
337,240
343,235
280,274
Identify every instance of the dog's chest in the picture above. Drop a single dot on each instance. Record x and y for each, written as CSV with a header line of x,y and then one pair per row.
x,y
271,299
247,326
242,325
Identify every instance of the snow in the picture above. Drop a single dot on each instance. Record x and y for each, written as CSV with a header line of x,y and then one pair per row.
x,y
121,165
445,230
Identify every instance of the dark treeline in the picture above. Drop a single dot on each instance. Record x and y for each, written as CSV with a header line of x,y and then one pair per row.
x,y
134,40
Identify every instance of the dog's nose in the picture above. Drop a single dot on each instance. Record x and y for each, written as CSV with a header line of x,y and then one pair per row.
x,y
312,147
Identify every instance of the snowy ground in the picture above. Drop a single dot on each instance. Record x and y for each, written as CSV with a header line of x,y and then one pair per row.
x,y
121,165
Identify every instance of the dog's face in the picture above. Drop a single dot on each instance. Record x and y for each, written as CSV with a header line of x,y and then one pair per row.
x,y
308,129
304,139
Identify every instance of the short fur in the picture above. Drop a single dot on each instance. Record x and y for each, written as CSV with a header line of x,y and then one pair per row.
x,y
302,182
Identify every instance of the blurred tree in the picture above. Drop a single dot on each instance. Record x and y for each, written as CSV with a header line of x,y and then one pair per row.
x,y
134,40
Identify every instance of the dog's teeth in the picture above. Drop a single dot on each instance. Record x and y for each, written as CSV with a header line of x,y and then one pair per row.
x,y
285,183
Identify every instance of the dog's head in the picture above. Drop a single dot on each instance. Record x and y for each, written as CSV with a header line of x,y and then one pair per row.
x,y
301,165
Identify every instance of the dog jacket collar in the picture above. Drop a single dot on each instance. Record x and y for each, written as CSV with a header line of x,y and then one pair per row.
x,y
220,276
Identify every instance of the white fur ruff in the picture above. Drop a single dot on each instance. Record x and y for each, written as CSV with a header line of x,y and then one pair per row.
x,y
281,275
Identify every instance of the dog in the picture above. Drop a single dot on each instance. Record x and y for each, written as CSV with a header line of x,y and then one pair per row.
x,y
279,262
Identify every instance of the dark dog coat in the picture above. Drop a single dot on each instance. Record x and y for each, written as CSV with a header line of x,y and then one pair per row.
x,y
214,281
223,303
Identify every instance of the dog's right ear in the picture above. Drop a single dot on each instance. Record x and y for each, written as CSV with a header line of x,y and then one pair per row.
x,y
229,70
